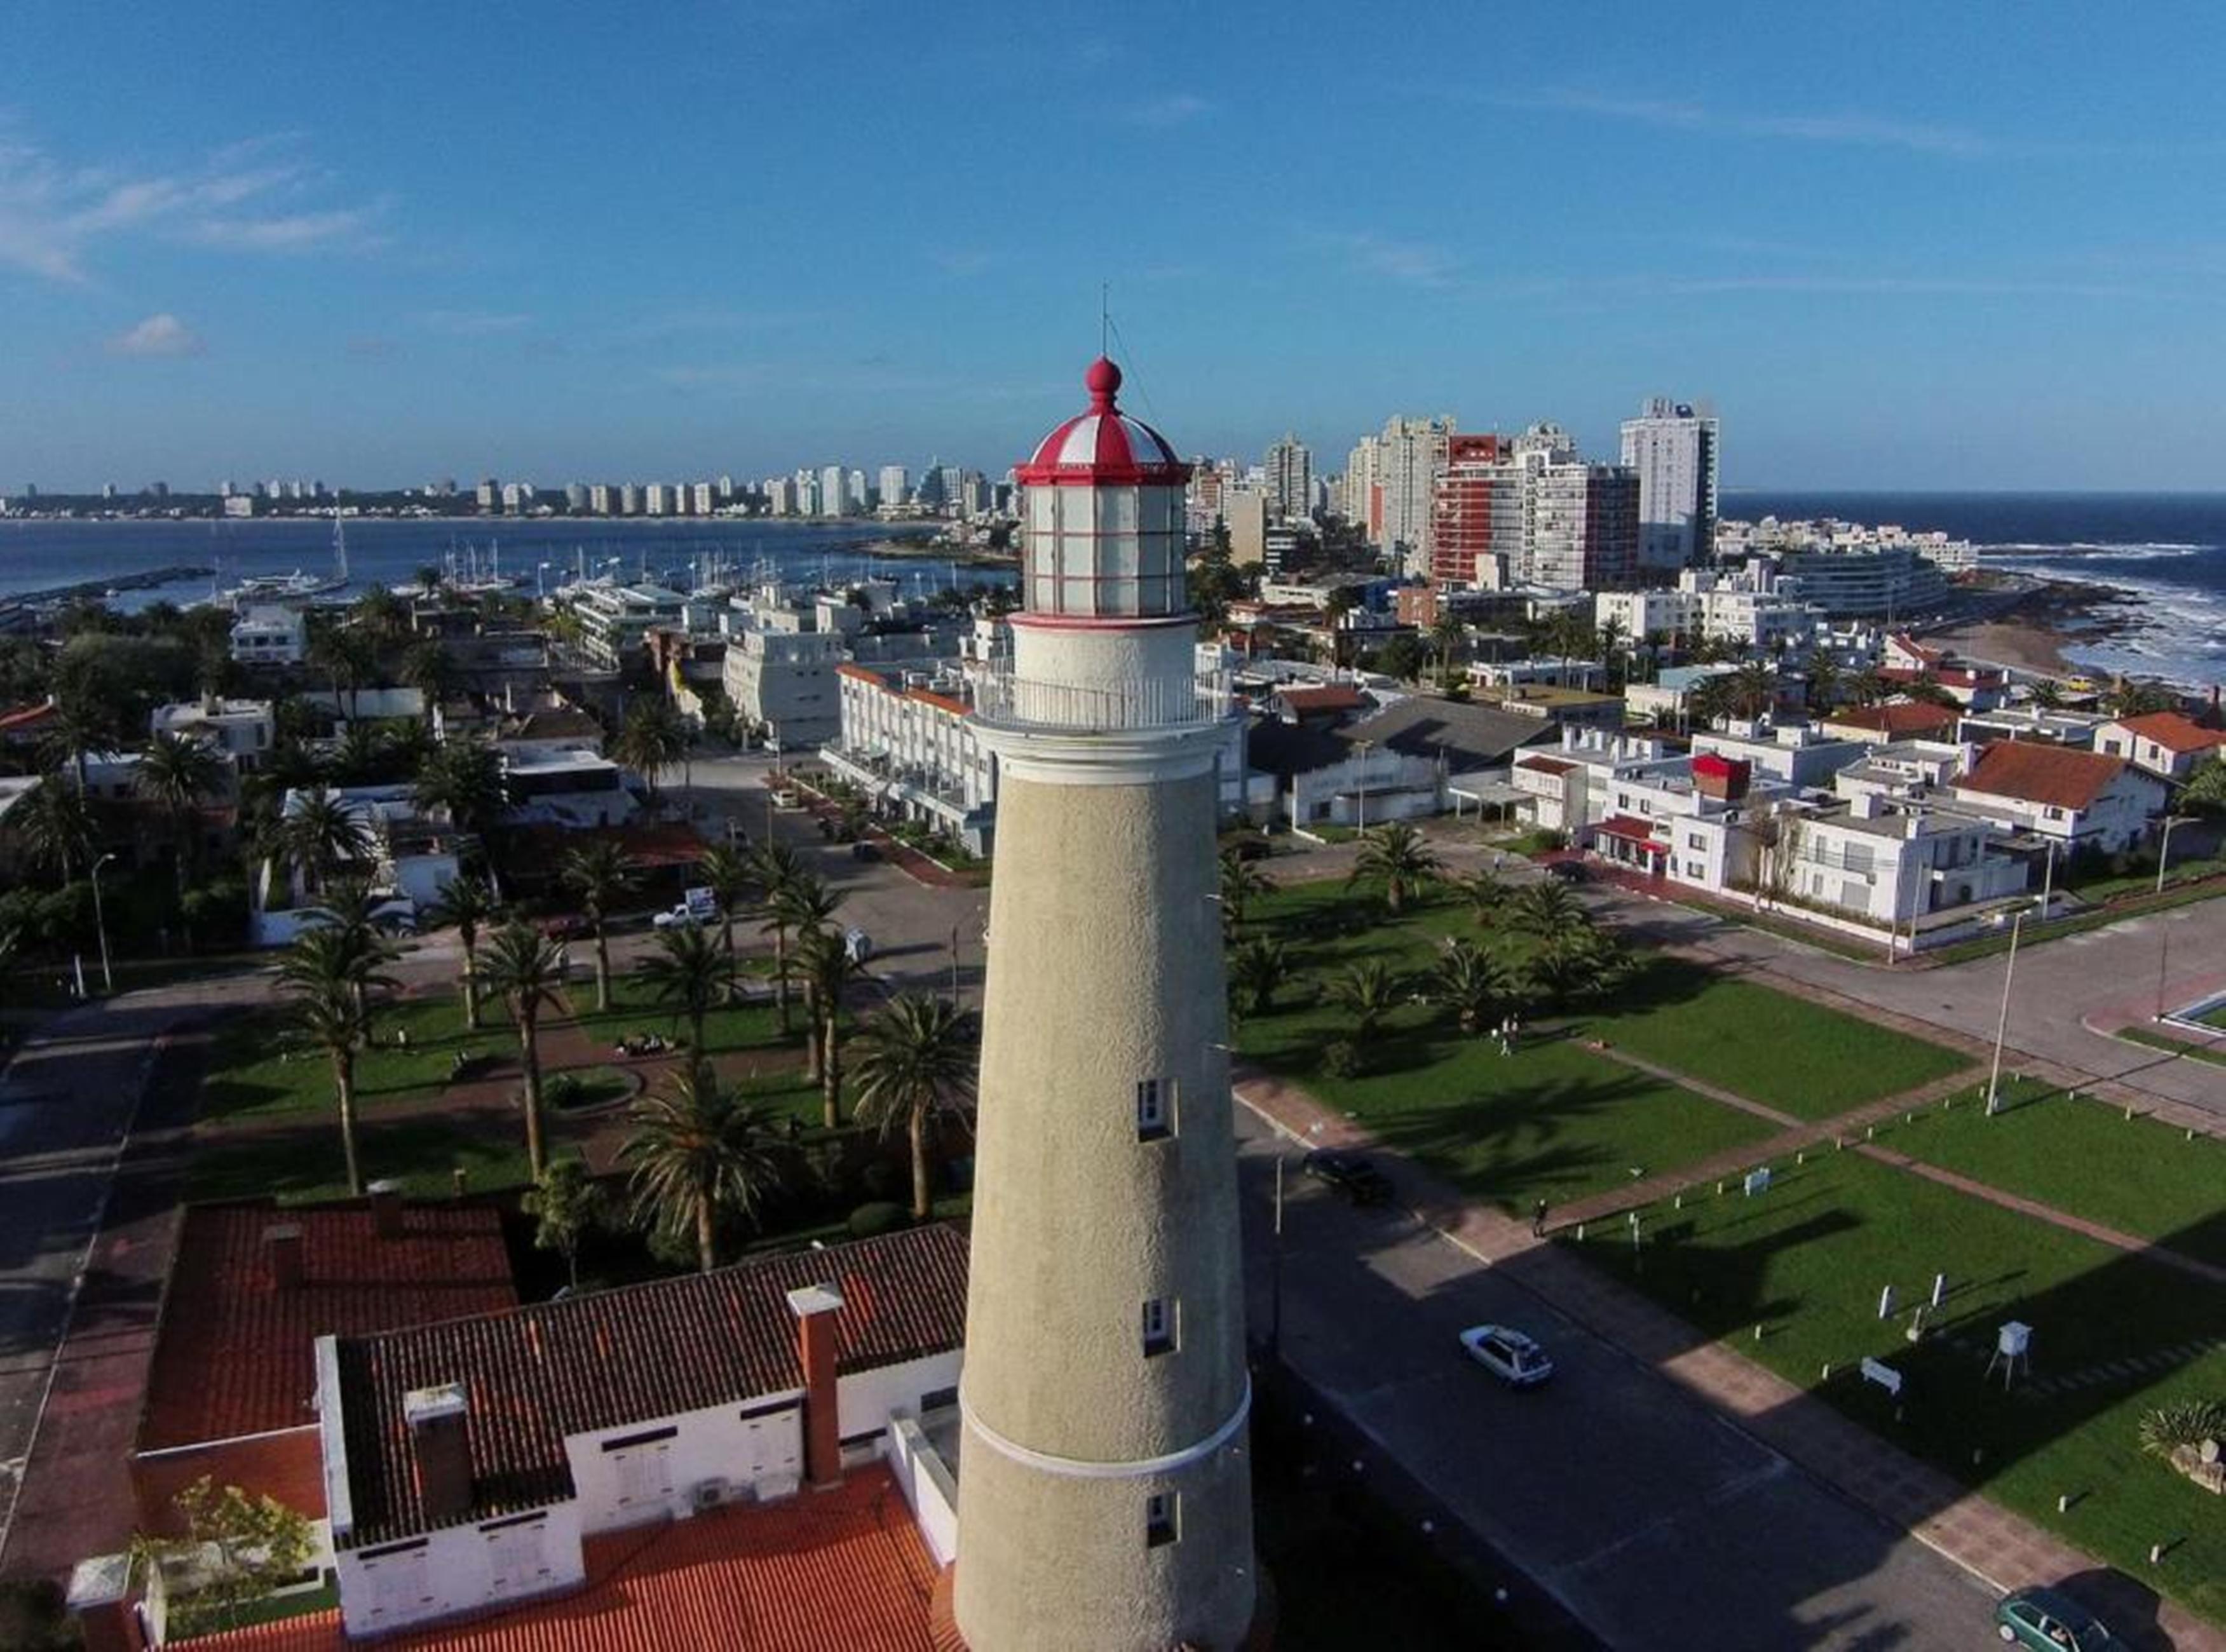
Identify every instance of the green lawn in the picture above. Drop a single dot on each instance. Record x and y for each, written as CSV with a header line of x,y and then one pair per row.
x,y
2084,1157
260,1065
634,1009
2215,1016
304,1164
2215,1053
1786,1052
2113,1335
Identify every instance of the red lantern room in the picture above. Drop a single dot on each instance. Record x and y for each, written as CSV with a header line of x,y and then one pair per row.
x,y
1104,528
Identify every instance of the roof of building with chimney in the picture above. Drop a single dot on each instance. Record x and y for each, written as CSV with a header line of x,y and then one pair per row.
x,y
2173,730
1896,718
536,1374
234,1352
843,1567
2032,772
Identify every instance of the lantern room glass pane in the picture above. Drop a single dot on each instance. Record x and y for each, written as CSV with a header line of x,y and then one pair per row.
x,y
1118,596
1076,554
1043,594
1043,509
1117,509
1077,597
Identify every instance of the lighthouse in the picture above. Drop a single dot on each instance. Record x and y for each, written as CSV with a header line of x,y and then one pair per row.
x,y
1104,1497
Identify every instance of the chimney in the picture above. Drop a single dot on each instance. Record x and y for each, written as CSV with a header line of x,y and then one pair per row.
x,y
386,1210
1724,778
815,1307
282,1248
440,1449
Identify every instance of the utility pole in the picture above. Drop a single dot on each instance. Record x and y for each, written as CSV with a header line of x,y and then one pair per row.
x,y
101,925
2002,1024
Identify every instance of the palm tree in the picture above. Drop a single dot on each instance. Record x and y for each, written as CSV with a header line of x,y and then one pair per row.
x,y
826,966
1396,857
381,615
689,971
323,832
1824,683
464,777
467,902
1367,992
1469,983
179,774
1487,894
1573,962
2129,698
1447,633
1611,639
1241,880
431,670
1753,689
329,971
916,1058
429,579
599,875
696,1153
525,969
80,719
2205,791
654,740
776,868
1257,967
347,656
2047,694
727,873
1548,908
800,904
1869,686
56,825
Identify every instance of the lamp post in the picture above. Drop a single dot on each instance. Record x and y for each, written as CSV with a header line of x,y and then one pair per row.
x,y
1364,746
100,924
2002,1022
2163,845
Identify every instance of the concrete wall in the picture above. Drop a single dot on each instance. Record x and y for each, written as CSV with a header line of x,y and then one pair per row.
x,y
927,1485
286,1465
459,1569
865,1400
626,1476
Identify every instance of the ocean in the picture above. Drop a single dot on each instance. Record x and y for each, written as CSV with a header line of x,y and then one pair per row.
x,y
39,556
2167,550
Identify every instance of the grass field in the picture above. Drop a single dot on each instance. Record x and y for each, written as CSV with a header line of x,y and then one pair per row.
x,y
2113,1335
2214,1053
2084,1157
1797,1056
295,1166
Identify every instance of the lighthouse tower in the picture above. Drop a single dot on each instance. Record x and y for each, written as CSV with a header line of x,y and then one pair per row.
x,y
1104,1487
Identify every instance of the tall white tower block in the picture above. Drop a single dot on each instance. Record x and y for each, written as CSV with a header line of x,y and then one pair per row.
x,y
1104,1497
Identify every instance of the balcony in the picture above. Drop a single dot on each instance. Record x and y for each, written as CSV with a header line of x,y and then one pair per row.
x,y
1002,700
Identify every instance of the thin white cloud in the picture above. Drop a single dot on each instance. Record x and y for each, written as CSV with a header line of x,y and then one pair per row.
x,y
1418,264
961,261
1179,109
1865,130
55,218
468,323
162,335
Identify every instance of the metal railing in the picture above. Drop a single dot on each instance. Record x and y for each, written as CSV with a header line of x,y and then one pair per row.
x,y
1148,702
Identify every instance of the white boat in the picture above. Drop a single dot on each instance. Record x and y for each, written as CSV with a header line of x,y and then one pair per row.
x,y
298,585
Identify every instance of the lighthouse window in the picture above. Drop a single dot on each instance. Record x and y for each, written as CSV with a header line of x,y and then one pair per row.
x,y
1162,1518
1155,1108
1159,1327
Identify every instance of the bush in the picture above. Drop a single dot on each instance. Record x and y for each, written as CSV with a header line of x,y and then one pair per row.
x,y
31,1614
2185,1422
1340,1058
869,1221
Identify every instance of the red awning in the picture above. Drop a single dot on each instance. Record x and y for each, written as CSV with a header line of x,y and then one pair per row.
x,y
1632,829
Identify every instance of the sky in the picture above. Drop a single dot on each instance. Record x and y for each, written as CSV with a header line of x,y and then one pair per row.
x,y
1895,245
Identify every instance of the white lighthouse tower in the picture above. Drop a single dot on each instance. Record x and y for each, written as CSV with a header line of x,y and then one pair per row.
x,y
1104,1486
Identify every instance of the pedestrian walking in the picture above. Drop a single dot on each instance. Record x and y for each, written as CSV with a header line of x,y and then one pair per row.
x,y
1538,1220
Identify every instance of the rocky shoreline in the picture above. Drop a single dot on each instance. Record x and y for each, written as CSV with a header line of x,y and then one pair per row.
x,y
2033,632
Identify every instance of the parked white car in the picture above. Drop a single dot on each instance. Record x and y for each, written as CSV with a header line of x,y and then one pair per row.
x,y
1508,1354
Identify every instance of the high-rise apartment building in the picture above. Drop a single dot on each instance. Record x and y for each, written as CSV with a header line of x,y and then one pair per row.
x,y
1408,457
1673,449
489,495
834,491
895,489
780,496
1357,501
704,498
1289,467
602,497
629,499
575,496
1476,512
1581,520
656,499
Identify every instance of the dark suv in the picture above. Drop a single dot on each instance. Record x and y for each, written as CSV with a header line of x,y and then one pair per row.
x,y
1348,1173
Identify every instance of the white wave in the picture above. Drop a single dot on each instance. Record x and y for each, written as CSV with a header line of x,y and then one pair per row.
x,y
2013,554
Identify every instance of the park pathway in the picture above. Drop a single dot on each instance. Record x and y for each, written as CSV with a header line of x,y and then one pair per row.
x,y
2003,1548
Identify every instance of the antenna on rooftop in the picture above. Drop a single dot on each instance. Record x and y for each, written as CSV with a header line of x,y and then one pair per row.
x,y
1104,314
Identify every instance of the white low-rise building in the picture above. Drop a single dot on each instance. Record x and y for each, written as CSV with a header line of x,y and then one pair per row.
x,y
2170,745
575,787
2080,800
270,634
244,728
909,742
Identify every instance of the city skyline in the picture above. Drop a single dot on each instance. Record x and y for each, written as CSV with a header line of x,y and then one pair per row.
x,y
465,265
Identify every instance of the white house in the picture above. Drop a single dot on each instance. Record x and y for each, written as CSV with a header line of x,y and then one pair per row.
x,y
270,634
908,740
1893,866
244,728
465,1461
2078,799
2170,745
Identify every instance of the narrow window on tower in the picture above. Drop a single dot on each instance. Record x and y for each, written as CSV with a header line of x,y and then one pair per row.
x,y
1155,1108
1159,1327
1162,1518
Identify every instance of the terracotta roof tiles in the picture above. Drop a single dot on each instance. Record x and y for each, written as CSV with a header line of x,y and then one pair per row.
x,y
2174,730
536,1374
2038,771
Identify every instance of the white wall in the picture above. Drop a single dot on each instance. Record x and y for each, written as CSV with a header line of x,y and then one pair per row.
x,y
656,1479
925,1481
459,1569
865,1400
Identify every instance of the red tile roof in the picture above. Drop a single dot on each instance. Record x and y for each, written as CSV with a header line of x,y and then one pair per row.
x,y
536,1374
2174,730
23,720
1333,697
1545,765
234,1354
1631,829
1898,718
843,1568
2035,772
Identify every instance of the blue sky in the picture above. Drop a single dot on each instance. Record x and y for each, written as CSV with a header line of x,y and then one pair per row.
x,y
1899,245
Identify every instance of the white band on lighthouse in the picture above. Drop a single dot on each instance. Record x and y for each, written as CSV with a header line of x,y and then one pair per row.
x,y
1077,1468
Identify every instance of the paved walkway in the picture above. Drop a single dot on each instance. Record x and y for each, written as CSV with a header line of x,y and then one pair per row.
x,y
2003,1548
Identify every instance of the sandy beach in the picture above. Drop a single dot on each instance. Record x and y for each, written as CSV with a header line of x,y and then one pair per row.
x,y
2032,632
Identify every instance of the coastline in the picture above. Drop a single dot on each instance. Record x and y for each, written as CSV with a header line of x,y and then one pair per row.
x,y
2038,630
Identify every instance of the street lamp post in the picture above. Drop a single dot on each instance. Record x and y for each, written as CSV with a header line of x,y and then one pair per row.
x,y
100,924
2163,845
2002,1022
1363,746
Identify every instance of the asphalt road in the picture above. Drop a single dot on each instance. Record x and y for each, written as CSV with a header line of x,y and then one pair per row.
x,y
1651,1519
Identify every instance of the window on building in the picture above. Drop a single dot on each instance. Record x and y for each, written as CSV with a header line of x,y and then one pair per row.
x,y
1162,1518
1159,1327
1156,1110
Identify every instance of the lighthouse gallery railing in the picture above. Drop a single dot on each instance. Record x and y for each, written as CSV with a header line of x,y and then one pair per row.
x,y
1095,708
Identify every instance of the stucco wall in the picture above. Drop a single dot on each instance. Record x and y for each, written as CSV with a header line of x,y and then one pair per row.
x,y
460,1569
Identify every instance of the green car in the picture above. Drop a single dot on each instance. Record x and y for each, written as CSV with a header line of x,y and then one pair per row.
x,y
2050,1620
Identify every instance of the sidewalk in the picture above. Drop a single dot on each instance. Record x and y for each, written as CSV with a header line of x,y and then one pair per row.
x,y
2004,1549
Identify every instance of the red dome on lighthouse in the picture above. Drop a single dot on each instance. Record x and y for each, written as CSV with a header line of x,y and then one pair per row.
x,y
1103,445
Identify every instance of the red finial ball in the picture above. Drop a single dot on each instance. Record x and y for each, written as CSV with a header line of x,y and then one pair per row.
x,y
1103,380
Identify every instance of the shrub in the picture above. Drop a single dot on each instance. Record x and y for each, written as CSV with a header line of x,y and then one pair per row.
x,y
1340,1058
882,1216
2185,1422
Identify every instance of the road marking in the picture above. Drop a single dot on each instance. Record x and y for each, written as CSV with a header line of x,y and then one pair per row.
x,y
1775,1468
